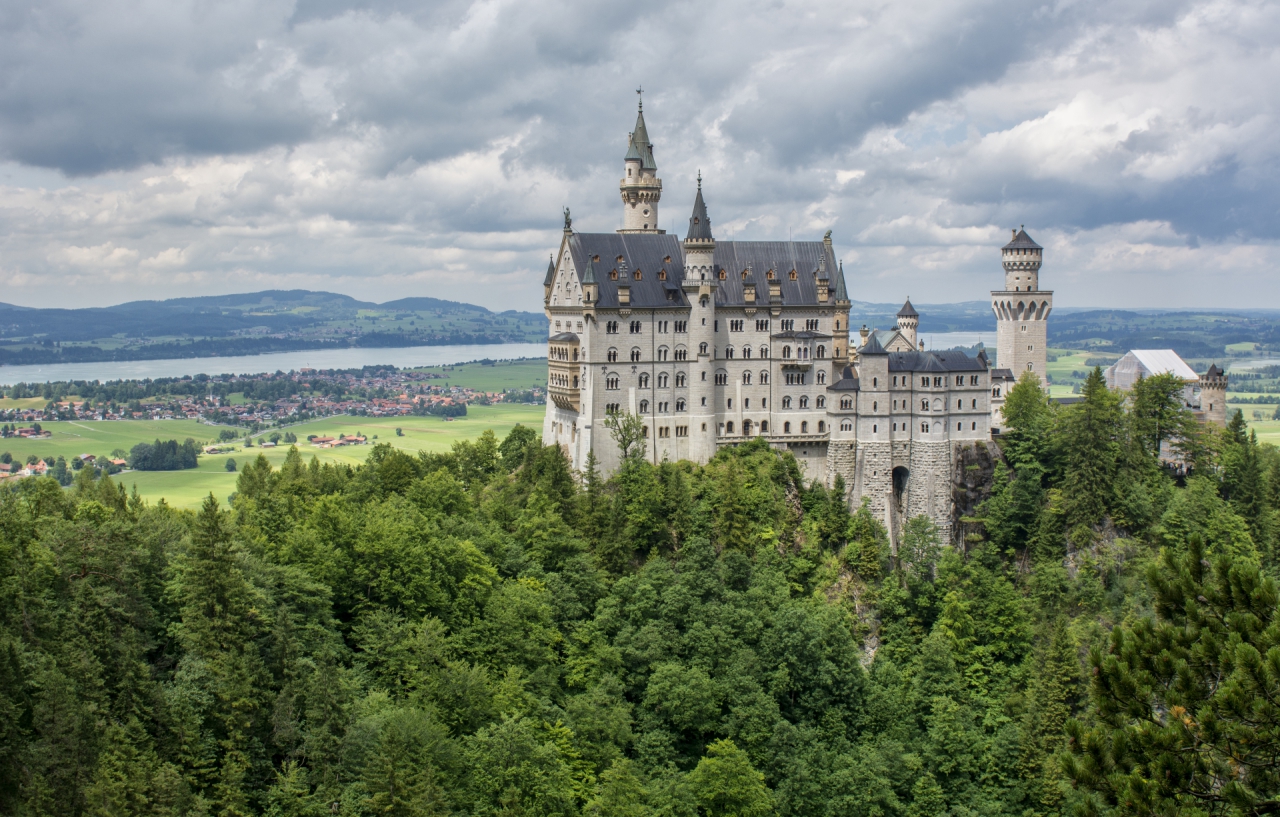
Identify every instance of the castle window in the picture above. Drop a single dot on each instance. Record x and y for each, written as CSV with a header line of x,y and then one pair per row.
x,y
786,402
637,274
611,408
973,381
786,352
821,402
792,275
764,378
786,428
746,352
804,427
662,275
645,432
723,275
846,403
975,403
822,378
937,382
680,380
846,425
682,353
924,381
958,427
744,275
611,382
804,402
612,356
764,426
728,352
1031,367
728,403
722,378
611,328
636,327
924,405
635,355
728,427
822,352
644,380
875,429
746,378
682,326
975,427
736,326
662,353
613,275
644,406
875,406
811,324
702,348
769,275
924,428
662,381
995,392
821,426
764,352
959,380
764,402
679,405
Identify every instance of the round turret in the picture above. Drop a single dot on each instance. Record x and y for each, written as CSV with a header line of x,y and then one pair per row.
x,y
1022,258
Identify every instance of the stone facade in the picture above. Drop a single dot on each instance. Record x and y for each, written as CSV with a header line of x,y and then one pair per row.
x,y
714,343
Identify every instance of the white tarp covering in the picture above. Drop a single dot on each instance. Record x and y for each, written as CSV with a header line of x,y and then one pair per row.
x,y
1147,362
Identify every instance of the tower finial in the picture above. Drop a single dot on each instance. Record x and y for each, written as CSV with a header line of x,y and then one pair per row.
x,y
640,93
699,178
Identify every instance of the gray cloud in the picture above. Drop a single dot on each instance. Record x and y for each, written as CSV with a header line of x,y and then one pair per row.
x,y
390,149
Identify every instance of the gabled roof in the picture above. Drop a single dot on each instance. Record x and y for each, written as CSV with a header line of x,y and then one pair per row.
x,y
848,381
699,222
1021,241
908,311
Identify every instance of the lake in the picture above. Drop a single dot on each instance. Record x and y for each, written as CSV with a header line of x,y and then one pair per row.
x,y
408,357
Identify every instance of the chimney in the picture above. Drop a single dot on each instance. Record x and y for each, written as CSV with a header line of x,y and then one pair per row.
x,y
863,333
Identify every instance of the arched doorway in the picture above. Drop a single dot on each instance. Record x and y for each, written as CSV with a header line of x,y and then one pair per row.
x,y
900,478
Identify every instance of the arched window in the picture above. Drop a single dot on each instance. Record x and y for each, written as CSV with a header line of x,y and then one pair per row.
x,y
786,402
786,352
821,402
702,348
611,382
804,427
644,406
875,406
662,380
804,402
662,353
728,427
764,378
746,378
764,426
822,351
924,428
575,381
746,352
822,378
679,405
612,356
846,403
924,405
846,425
786,428
764,352
613,275
635,355
644,380
821,426
728,352
679,380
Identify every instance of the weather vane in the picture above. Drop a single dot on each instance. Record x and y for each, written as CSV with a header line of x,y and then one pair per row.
x,y
640,93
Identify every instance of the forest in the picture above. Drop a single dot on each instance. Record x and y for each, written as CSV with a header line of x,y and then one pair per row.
x,y
486,632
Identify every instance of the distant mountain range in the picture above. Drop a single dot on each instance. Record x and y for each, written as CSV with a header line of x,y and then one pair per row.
x,y
288,320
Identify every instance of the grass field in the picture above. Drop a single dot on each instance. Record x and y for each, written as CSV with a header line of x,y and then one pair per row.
x,y
516,374
187,489
1268,429
70,439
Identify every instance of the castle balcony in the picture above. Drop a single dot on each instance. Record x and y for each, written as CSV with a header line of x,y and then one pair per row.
x,y
564,386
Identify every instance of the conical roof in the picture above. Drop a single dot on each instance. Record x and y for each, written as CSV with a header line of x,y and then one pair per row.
x,y
841,293
872,347
640,142
699,222
551,272
589,277
908,311
1022,241
1214,371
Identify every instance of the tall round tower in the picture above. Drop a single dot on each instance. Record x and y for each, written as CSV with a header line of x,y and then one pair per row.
x,y
1213,396
699,285
1022,310
908,322
641,188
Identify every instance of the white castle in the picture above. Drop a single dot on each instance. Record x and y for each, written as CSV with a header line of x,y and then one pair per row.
x,y
714,343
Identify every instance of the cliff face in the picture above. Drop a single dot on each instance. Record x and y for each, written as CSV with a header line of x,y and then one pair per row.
x,y
971,483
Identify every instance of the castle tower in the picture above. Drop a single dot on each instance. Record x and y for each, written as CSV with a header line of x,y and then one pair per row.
x,y
1022,310
908,320
1213,396
700,284
640,187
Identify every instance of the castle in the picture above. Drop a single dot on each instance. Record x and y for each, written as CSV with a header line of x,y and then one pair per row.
x,y
714,343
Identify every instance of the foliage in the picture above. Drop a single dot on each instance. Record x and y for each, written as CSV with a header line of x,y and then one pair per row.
x,y
166,455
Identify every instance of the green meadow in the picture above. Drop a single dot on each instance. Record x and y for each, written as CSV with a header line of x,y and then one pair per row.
x,y
73,438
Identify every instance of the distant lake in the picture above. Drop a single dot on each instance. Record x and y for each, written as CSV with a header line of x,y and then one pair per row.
x,y
949,340
408,357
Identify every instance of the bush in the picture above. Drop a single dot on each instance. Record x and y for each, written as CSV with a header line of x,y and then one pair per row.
x,y
399,432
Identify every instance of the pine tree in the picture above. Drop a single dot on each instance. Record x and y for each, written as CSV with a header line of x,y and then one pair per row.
x,y
1089,432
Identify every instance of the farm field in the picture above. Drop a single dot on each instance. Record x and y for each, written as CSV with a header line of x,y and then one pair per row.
x,y
71,439
1268,429
187,489
514,374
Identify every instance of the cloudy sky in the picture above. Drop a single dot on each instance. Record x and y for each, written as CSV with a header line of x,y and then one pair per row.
x,y
160,148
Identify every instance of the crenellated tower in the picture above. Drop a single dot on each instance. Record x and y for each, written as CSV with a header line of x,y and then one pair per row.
x,y
908,322
640,187
1022,310
1213,396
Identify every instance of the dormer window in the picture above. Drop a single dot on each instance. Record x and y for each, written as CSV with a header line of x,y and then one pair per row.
x,y
744,275
637,275
595,258
667,260
662,275
769,275
793,275
696,220
613,275
618,259
723,275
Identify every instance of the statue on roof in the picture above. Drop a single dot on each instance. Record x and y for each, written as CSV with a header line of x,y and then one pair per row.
x,y
568,222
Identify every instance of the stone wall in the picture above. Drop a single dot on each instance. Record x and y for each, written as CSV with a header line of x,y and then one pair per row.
x,y
971,484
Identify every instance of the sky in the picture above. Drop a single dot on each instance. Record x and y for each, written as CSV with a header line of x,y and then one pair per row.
x,y
166,148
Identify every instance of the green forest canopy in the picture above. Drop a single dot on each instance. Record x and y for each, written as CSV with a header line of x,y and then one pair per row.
x,y
484,632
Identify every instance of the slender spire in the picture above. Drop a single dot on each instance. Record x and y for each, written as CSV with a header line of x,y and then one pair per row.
x,y
640,141
841,293
699,222
551,271
589,277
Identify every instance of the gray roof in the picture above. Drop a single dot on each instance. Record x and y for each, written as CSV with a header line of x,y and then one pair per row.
x,y
648,253
842,294
872,347
699,222
802,334
551,272
1001,374
1022,241
589,277
564,337
908,311
952,360
1214,371
640,141
847,382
